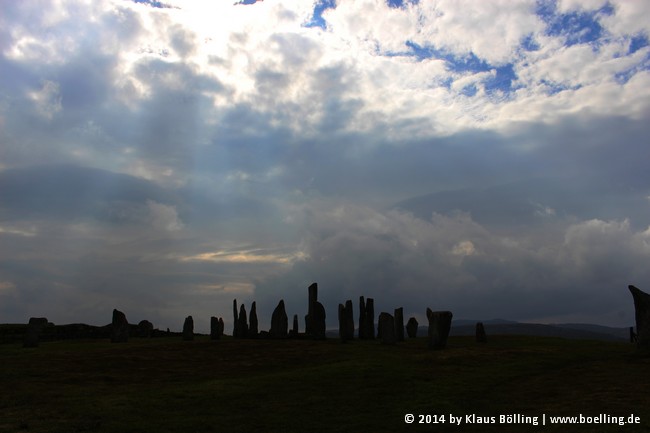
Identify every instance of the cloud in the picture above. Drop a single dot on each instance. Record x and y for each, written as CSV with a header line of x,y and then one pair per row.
x,y
169,156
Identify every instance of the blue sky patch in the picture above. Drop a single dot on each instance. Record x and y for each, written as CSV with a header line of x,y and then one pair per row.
x,y
637,43
578,27
317,19
502,81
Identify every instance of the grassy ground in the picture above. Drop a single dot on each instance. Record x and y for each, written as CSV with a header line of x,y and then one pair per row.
x,y
168,385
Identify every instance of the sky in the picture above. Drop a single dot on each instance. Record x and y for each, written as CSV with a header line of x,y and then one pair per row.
x,y
166,157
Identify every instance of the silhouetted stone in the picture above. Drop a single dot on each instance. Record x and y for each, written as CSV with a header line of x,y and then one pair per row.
x,y
221,327
35,327
120,328
369,321
632,335
362,318
642,317
215,333
295,323
386,324
313,298
481,337
346,321
318,322
235,331
439,327
188,329
399,324
412,327
145,329
252,329
280,321
242,323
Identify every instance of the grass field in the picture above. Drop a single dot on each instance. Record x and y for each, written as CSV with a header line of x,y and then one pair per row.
x,y
168,385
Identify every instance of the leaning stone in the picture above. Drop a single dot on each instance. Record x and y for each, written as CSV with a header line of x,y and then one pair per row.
x,y
399,324
145,329
188,329
387,328
120,328
34,330
252,329
642,317
481,337
412,327
280,322
439,327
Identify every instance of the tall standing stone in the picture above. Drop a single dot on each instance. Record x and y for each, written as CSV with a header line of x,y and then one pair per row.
x,y
252,329
313,298
318,322
279,321
369,321
642,317
214,329
235,330
386,325
439,327
481,336
34,329
188,329
242,323
399,324
119,328
362,318
412,327
295,324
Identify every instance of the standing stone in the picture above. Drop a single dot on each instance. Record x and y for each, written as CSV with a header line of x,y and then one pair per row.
x,y
439,327
642,317
349,319
387,328
318,322
346,321
369,321
145,329
412,327
188,329
362,318
313,298
252,330
34,330
221,327
235,331
280,321
214,329
119,328
295,324
399,324
242,323
481,337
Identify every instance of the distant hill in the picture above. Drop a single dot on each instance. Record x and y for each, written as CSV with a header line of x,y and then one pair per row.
x,y
580,331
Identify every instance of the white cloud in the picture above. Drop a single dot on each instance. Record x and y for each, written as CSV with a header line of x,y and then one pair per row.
x,y
164,217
